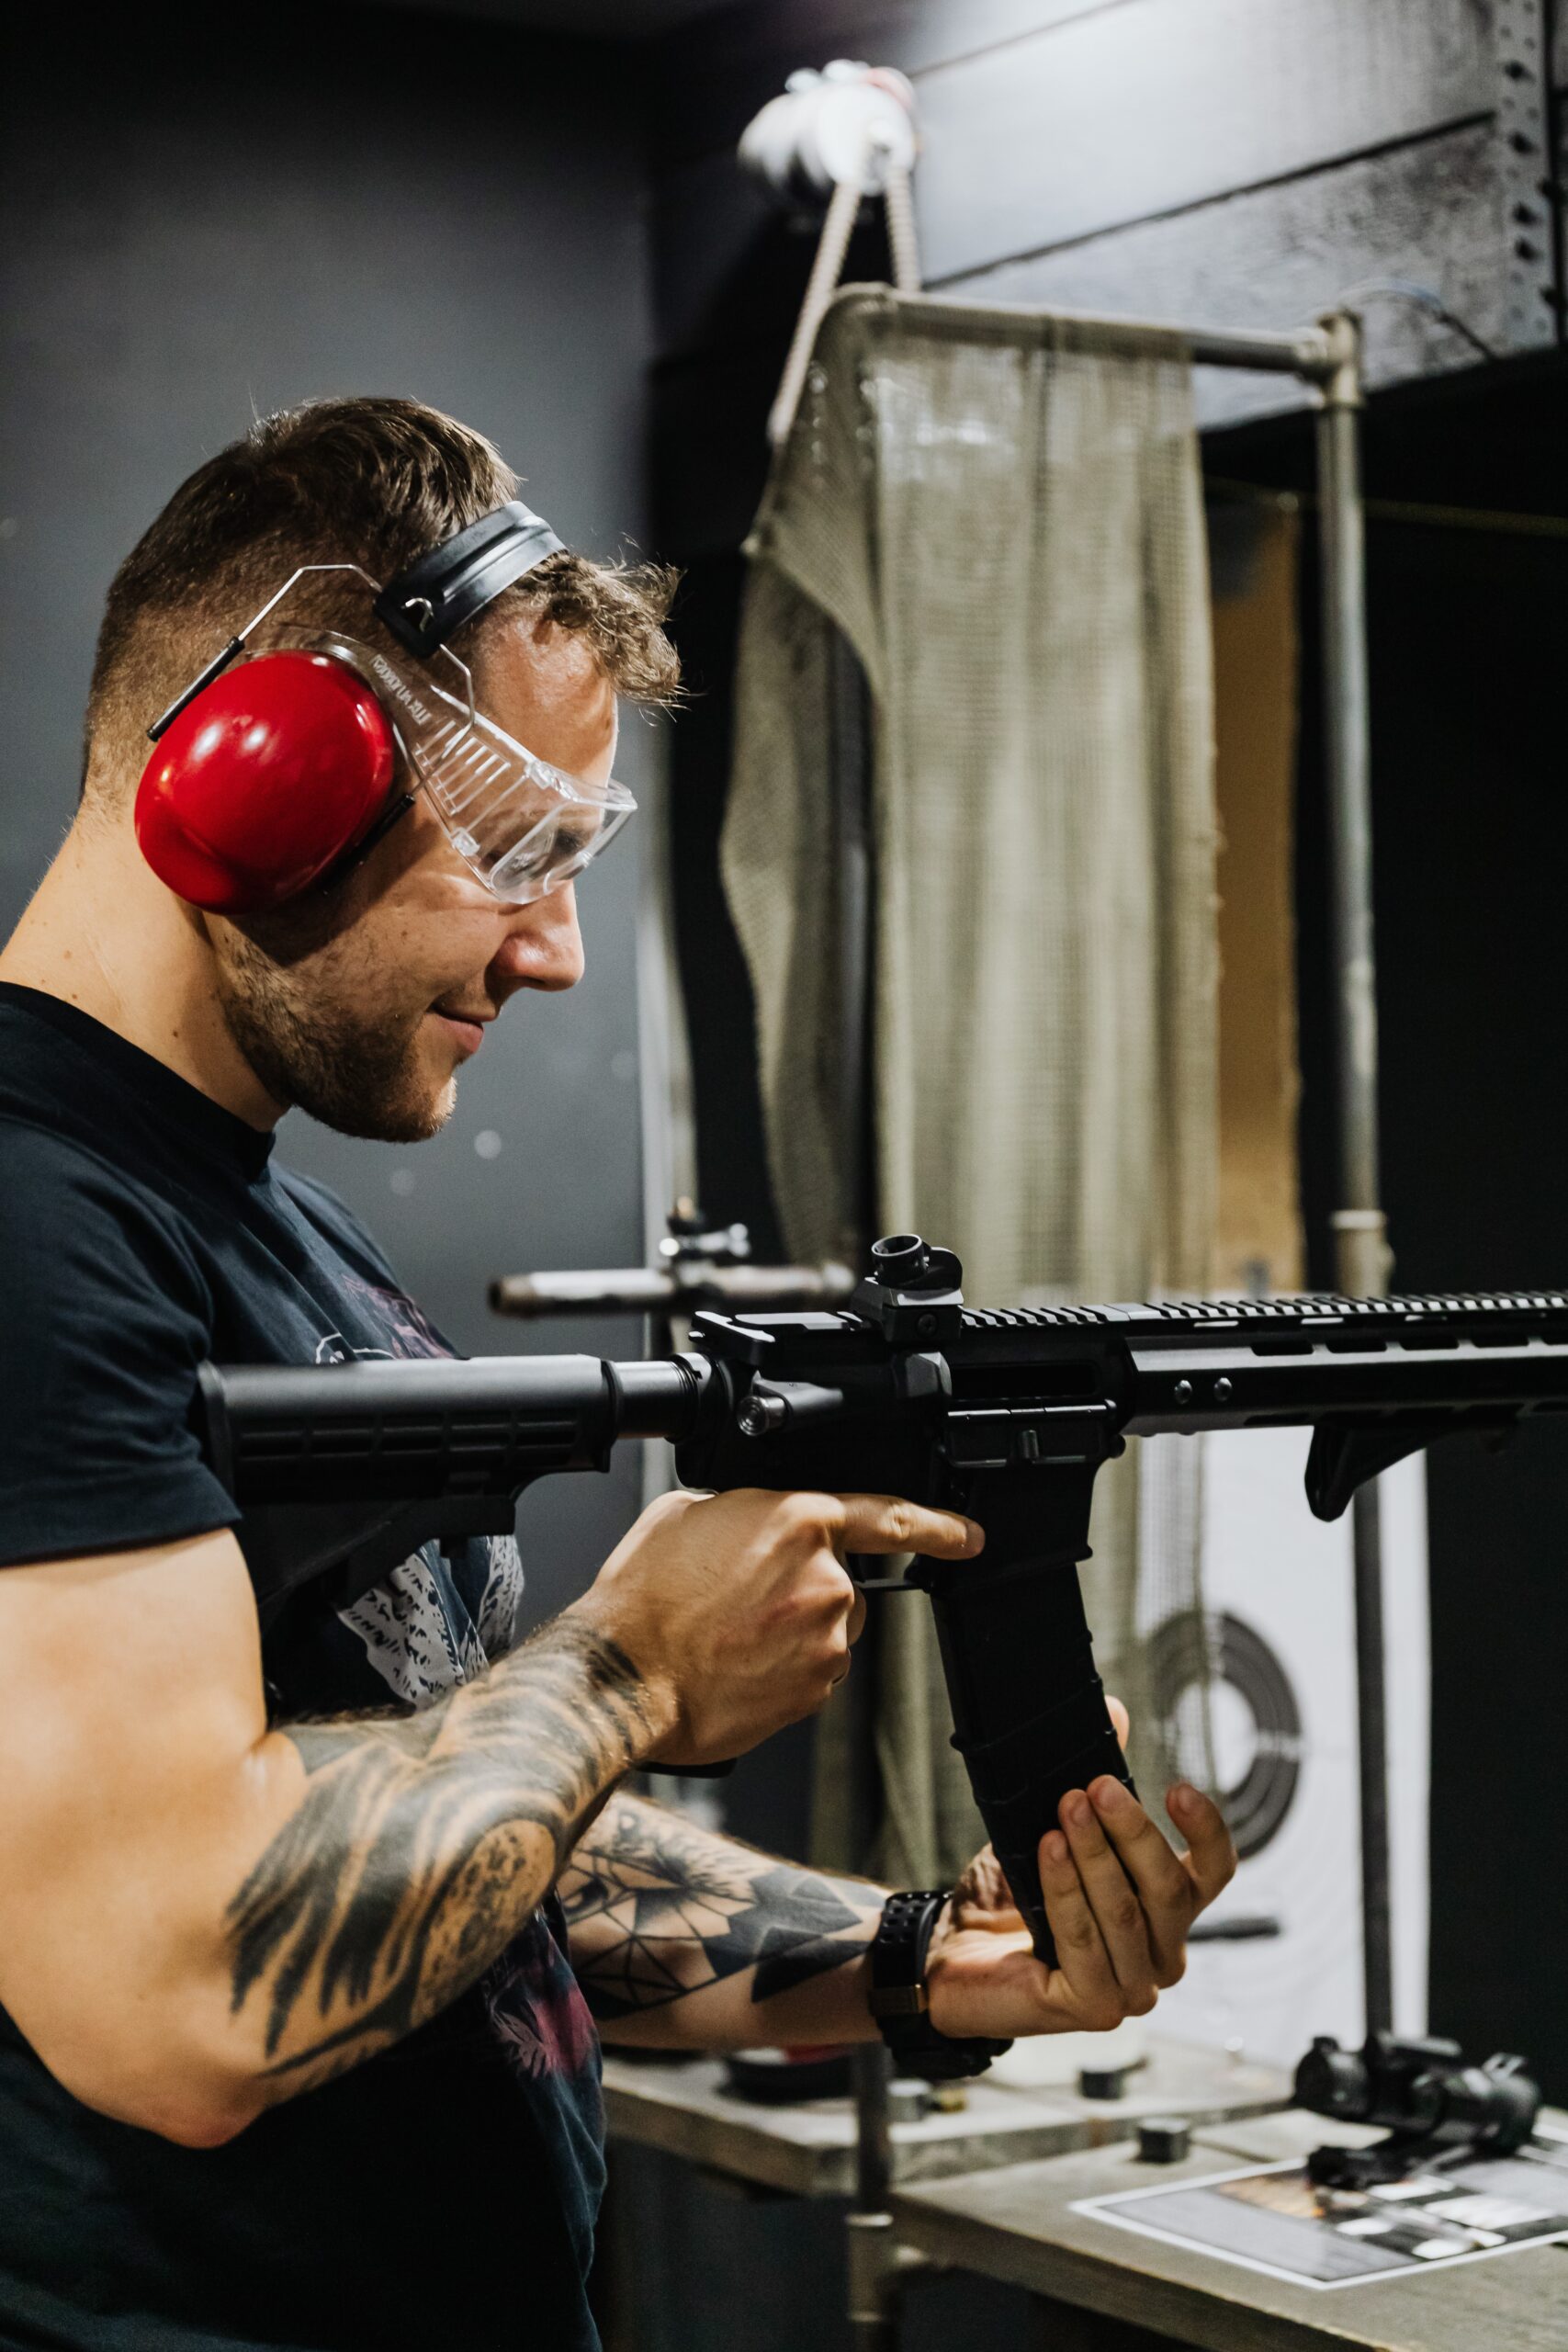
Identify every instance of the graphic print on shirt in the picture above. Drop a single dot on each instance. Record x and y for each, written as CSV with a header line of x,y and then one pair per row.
x,y
537,2010
500,1613
421,1633
406,1330
409,1632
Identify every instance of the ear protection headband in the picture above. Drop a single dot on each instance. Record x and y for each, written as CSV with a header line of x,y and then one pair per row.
x,y
275,772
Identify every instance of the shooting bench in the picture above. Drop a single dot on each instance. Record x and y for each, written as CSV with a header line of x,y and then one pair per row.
x,y
989,2191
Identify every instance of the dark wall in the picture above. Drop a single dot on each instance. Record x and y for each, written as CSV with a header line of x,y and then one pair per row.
x,y
206,221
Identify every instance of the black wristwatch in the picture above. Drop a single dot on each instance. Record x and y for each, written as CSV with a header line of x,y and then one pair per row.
x,y
898,2001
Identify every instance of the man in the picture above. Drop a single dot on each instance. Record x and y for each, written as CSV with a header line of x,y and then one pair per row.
x,y
303,1931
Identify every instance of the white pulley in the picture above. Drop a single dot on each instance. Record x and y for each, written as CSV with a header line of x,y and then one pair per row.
x,y
849,123
845,133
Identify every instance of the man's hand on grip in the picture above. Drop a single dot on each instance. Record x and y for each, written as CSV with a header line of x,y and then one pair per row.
x,y
737,1609
1118,1902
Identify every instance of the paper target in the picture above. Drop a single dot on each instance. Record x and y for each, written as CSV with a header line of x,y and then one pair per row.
x,y
1253,1716
1278,1637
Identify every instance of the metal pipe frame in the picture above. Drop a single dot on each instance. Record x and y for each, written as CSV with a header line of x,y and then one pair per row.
x,y
1361,1254
1327,357
1311,352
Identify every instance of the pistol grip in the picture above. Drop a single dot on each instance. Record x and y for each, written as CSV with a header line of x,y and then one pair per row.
x,y
1029,1711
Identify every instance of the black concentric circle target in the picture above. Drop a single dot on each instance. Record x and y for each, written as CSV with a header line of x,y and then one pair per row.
x,y
1190,1648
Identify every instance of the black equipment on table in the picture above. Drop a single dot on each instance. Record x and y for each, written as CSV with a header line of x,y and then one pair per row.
x,y
1434,2106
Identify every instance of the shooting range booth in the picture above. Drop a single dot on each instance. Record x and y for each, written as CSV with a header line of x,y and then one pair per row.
x,y
683,320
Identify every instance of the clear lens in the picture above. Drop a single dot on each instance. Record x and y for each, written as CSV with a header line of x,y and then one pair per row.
x,y
521,826
559,847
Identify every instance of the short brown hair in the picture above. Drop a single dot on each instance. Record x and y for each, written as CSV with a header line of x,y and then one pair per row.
x,y
372,481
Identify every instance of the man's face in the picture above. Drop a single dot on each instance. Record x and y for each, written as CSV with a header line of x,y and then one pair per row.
x,y
362,1012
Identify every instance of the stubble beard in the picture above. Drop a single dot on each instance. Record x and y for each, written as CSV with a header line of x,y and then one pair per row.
x,y
358,1075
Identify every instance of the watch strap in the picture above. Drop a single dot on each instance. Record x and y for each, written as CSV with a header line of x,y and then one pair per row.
x,y
898,1999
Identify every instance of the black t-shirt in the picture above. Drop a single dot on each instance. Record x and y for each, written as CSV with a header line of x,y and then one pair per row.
x,y
442,2194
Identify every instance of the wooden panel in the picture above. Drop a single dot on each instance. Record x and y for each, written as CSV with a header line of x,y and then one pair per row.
x,y
1163,103
1252,563
1278,256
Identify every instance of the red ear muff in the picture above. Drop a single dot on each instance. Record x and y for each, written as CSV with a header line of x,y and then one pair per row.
x,y
268,776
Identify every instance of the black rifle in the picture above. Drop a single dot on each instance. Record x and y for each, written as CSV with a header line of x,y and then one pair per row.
x,y
342,1470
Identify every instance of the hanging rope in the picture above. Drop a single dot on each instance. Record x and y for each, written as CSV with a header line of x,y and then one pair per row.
x,y
827,267
902,238
826,272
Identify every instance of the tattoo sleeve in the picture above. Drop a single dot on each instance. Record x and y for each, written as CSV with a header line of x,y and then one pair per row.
x,y
421,1846
659,1910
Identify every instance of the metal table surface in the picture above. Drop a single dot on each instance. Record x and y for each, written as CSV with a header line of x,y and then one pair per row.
x,y
684,2108
1015,2226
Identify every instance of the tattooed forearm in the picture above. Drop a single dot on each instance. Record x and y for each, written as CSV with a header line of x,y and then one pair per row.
x,y
660,1909
421,1846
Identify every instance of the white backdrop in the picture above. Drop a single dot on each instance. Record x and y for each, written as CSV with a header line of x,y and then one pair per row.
x,y
1282,1580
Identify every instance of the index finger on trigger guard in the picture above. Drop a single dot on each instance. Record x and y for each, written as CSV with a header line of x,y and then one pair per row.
x,y
878,1523
891,1523
946,1535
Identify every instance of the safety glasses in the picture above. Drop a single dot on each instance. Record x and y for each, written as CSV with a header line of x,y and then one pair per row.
x,y
523,826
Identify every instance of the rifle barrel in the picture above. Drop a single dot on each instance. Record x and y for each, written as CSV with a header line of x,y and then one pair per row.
x,y
666,1290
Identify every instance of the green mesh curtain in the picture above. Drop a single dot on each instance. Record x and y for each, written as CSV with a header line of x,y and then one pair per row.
x,y
1001,516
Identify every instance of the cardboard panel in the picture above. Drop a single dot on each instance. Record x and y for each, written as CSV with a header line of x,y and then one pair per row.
x,y
1253,554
